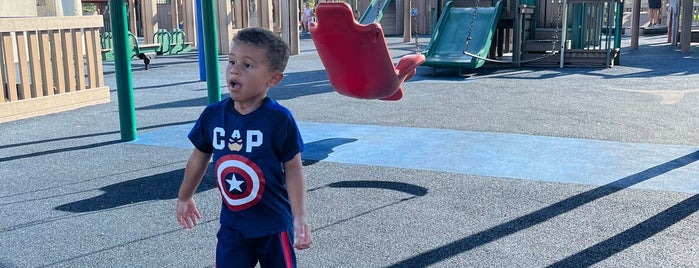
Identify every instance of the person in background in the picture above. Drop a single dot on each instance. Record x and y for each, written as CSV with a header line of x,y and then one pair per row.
x,y
306,18
654,12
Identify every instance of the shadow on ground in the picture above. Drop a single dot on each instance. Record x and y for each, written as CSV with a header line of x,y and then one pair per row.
x,y
591,255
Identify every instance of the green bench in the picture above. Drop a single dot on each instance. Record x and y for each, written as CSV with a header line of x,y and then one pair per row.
x,y
145,52
171,42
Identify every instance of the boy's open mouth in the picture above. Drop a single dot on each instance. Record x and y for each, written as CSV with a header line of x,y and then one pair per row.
x,y
233,84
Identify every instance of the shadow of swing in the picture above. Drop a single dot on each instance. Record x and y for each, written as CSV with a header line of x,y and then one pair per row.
x,y
407,188
413,190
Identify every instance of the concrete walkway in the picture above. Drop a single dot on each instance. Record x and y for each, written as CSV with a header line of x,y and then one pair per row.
x,y
527,167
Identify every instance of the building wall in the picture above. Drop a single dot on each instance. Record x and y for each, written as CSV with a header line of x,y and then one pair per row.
x,y
72,7
18,8
40,8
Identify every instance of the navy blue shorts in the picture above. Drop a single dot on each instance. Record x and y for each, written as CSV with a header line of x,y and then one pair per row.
x,y
654,4
234,250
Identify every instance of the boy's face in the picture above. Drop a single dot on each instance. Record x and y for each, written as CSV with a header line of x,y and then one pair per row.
x,y
248,73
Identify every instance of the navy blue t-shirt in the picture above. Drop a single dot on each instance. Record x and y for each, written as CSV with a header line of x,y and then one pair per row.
x,y
248,155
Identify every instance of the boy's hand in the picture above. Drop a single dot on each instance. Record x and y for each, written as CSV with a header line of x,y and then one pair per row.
x,y
187,213
302,234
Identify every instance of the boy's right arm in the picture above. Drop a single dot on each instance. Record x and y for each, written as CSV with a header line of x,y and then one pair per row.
x,y
187,213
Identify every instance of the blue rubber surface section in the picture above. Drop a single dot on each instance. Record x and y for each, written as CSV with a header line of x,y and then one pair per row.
x,y
552,159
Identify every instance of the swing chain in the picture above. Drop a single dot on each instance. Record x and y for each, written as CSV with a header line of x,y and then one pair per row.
x,y
414,20
378,10
557,31
558,26
470,27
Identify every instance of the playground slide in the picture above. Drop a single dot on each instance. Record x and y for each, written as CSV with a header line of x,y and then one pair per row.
x,y
369,15
448,42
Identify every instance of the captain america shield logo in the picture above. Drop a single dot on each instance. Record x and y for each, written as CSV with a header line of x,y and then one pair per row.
x,y
240,182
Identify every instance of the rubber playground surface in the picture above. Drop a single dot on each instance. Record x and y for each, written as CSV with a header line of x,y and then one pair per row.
x,y
504,167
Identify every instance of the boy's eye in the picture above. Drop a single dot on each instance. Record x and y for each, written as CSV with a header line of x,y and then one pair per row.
x,y
245,65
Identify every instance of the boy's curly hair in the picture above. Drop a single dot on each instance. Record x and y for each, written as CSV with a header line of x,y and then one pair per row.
x,y
277,49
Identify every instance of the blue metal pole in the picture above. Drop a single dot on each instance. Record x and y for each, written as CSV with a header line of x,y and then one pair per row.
x,y
213,83
200,43
122,67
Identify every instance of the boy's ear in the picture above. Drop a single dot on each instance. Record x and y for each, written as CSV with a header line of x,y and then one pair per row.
x,y
275,79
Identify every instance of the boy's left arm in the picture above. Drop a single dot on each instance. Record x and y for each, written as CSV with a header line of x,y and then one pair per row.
x,y
296,187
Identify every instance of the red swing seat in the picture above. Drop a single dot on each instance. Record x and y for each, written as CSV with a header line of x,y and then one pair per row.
x,y
356,56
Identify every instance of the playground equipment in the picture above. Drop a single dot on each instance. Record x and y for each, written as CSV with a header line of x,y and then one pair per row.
x,y
677,28
145,52
107,45
375,11
171,43
583,33
452,37
356,56
591,36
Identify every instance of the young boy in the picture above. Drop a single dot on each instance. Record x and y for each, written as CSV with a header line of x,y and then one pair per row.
x,y
256,148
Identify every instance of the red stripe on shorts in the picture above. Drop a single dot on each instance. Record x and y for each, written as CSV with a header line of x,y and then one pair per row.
x,y
286,248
